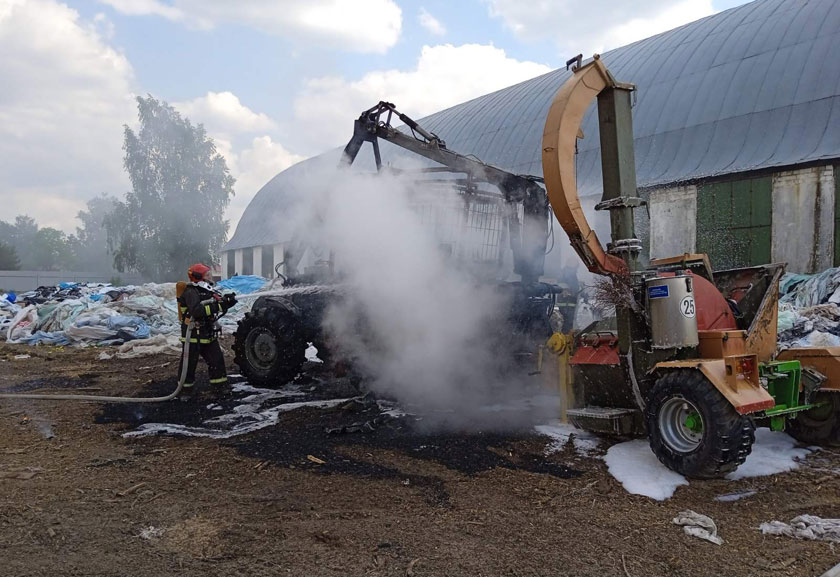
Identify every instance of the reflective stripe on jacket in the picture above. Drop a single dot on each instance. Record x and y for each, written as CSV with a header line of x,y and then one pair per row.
x,y
201,305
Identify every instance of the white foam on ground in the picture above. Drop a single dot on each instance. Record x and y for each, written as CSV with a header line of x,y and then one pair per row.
x,y
311,354
244,419
391,408
585,443
773,452
288,391
635,466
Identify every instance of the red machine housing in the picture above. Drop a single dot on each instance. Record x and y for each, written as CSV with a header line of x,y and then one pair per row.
x,y
713,314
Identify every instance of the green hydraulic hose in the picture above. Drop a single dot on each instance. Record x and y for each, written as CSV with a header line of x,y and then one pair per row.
x,y
185,356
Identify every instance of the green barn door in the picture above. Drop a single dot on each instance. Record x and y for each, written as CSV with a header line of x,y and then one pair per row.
x,y
837,215
733,222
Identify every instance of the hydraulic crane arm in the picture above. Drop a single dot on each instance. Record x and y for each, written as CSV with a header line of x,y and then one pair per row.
x,y
562,129
527,242
375,123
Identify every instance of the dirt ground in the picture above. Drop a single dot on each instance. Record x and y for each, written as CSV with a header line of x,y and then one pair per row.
x,y
78,498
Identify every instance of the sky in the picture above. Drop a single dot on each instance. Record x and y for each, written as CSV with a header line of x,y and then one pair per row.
x,y
273,81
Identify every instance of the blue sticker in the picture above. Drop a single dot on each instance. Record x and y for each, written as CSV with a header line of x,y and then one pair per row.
x,y
658,292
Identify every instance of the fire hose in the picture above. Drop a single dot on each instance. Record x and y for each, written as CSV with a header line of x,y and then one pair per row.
x,y
185,357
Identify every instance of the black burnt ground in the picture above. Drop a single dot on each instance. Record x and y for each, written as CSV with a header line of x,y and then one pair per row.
x,y
48,384
196,410
224,513
304,432
191,413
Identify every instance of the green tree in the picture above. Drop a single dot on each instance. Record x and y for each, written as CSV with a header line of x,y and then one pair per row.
x,y
180,187
90,243
7,232
21,237
25,230
51,250
8,257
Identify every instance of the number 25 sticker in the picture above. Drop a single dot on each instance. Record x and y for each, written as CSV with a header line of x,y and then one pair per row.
x,y
687,307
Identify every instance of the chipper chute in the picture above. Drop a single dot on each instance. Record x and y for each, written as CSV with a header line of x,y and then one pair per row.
x,y
562,130
690,356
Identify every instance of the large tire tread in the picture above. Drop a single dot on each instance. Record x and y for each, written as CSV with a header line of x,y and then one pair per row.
x,y
288,339
818,431
728,436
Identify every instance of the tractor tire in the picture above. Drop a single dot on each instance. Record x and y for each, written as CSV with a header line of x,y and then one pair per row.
x,y
269,347
693,429
820,425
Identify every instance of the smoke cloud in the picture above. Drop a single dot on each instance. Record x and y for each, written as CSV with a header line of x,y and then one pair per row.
x,y
414,317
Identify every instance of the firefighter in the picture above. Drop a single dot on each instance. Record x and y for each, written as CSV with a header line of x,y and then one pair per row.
x,y
203,305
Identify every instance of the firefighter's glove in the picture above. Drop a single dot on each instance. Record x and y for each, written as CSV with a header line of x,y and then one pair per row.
x,y
228,301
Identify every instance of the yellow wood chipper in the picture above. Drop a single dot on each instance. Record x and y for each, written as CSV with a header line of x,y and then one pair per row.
x,y
690,358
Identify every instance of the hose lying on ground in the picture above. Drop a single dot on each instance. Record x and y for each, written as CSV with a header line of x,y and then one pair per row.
x,y
185,357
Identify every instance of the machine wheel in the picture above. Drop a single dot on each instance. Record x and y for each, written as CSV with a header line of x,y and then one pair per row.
x,y
820,425
269,347
693,429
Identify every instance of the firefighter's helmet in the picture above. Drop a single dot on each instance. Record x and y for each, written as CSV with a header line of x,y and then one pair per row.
x,y
198,272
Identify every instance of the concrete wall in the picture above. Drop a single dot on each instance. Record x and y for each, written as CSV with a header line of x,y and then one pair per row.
x,y
257,268
25,280
224,264
673,221
237,259
803,219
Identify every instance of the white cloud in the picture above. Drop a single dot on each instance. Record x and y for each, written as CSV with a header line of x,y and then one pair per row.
x,y
253,167
430,23
145,7
66,95
600,25
355,25
671,17
222,113
263,160
55,206
445,75
253,161
104,25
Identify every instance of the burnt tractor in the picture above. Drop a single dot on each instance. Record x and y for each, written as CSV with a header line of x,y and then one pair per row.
x,y
690,357
499,224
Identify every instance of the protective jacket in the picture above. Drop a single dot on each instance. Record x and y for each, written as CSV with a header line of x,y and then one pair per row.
x,y
202,304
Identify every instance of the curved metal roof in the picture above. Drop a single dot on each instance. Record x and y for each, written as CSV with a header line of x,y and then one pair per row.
x,y
753,87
